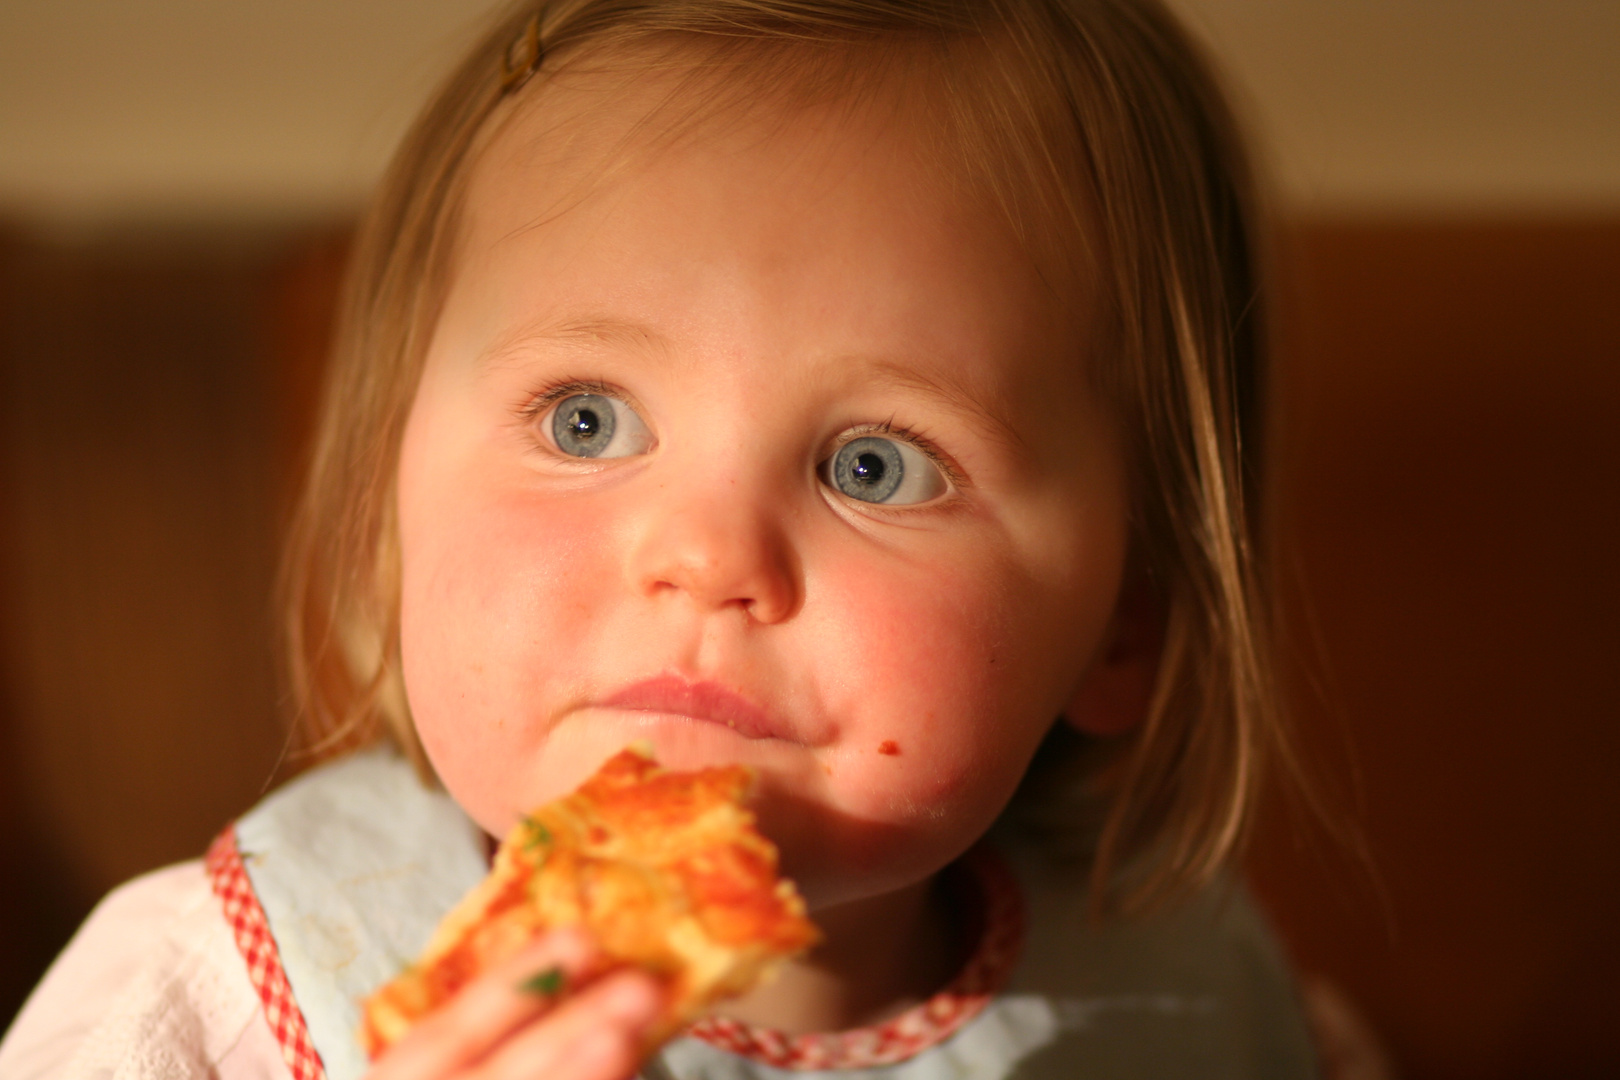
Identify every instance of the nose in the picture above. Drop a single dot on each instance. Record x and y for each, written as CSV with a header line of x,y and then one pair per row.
x,y
721,548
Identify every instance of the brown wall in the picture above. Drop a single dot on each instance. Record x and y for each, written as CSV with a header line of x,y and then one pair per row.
x,y
138,429
1443,506
1446,491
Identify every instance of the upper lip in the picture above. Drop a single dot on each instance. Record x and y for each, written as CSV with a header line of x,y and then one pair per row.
x,y
708,701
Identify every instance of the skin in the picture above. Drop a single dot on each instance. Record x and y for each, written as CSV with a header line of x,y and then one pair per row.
x,y
756,291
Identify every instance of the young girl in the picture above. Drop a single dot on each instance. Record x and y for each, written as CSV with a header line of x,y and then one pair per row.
x,y
851,388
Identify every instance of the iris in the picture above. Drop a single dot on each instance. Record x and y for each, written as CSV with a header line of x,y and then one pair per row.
x,y
583,425
868,469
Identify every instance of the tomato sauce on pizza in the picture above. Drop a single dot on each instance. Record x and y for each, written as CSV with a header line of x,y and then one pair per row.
x,y
665,870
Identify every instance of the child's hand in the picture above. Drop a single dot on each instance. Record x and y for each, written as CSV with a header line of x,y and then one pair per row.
x,y
515,1021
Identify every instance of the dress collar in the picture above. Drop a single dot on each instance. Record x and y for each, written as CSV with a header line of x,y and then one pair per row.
x,y
999,905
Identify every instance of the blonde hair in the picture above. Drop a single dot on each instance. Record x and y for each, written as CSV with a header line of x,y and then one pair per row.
x,y
1097,111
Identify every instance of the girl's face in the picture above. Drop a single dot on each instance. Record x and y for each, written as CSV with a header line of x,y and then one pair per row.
x,y
766,446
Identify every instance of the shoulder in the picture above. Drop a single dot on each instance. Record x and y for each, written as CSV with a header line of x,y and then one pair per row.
x,y
151,985
154,984
111,949
1197,989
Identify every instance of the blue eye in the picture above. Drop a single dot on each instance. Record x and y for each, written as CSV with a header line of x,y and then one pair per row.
x,y
878,470
595,425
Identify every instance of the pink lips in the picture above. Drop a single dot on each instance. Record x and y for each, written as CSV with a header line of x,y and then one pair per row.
x,y
700,701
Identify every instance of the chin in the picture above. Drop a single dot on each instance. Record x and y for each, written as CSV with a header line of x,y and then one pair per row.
x,y
837,857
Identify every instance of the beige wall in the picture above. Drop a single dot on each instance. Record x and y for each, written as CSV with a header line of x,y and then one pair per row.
x,y
1426,105
188,108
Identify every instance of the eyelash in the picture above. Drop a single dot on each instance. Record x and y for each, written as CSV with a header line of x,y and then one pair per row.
x,y
923,444
535,407
532,409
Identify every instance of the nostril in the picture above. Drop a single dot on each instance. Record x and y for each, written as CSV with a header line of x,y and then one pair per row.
x,y
768,609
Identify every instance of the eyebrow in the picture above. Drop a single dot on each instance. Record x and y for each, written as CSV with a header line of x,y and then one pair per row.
x,y
986,411
576,332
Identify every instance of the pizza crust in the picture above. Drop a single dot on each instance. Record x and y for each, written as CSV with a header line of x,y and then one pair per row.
x,y
665,871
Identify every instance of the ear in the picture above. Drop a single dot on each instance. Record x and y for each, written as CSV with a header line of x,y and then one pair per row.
x,y
1115,691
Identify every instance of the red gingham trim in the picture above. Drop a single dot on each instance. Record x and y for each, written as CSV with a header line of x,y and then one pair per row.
x,y
918,1028
258,948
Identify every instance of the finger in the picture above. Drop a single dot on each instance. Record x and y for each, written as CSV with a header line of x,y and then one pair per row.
x,y
595,1035
490,1008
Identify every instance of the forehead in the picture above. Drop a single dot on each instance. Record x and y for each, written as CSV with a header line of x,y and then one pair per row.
x,y
660,195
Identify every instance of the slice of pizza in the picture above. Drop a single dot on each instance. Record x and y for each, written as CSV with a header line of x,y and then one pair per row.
x,y
665,870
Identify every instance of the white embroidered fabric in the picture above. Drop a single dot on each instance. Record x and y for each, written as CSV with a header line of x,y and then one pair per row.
x,y
151,988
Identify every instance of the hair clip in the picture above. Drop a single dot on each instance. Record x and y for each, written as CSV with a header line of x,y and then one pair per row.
x,y
522,57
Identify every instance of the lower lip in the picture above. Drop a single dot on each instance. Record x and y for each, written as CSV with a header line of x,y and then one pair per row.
x,y
668,698
649,718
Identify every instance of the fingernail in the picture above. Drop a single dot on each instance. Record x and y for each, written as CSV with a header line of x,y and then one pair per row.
x,y
599,1047
634,998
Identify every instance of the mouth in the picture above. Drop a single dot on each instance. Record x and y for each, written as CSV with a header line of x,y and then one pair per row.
x,y
706,701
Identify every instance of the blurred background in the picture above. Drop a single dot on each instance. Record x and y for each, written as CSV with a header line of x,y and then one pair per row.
x,y
178,179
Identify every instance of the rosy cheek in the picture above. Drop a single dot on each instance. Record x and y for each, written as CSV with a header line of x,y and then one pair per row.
x,y
920,672
933,636
488,582
509,581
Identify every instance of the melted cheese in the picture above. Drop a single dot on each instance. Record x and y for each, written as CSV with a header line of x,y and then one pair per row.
x,y
666,871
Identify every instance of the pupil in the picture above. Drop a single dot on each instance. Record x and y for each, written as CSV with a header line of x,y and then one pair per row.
x,y
868,469
586,423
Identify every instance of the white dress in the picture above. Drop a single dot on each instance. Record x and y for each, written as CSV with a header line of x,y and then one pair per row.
x,y
249,965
